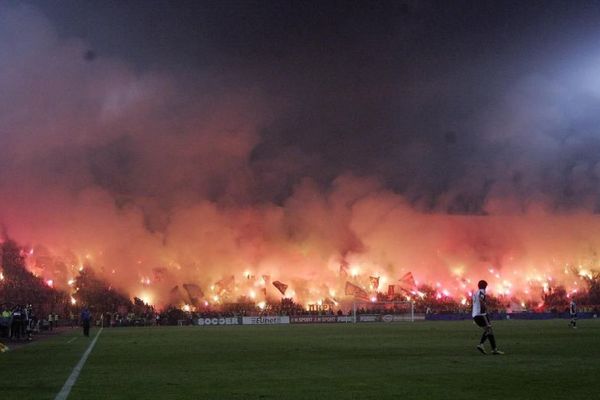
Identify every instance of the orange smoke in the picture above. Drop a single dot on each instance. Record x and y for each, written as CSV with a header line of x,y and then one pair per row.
x,y
315,243
156,181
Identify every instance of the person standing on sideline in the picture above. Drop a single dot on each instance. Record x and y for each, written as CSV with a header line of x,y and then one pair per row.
x,y
50,321
15,328
573,314
86,317
482,320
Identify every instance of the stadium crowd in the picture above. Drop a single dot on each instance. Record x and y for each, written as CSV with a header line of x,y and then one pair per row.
x,y
18,322
31,306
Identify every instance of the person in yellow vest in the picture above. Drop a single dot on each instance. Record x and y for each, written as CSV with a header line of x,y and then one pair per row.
x,y
6,322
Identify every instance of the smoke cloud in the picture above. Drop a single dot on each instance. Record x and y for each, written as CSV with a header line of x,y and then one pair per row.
x,y
157,179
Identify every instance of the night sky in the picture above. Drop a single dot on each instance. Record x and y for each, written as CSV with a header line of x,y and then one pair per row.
x,y
126,115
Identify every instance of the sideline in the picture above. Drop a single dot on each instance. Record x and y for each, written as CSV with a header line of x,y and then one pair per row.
x,y
66,389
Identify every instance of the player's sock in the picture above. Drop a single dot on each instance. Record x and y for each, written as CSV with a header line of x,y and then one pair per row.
x,y
483,338
492,341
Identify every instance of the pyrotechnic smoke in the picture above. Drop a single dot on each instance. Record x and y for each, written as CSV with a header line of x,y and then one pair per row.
x,y
153,181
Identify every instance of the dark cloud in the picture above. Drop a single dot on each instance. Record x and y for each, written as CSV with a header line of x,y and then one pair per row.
x,y
445,103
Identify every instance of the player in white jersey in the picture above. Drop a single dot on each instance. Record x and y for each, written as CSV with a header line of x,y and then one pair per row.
x,y
481,318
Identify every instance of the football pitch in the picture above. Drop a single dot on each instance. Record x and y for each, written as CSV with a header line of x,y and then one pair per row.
x,y
420,360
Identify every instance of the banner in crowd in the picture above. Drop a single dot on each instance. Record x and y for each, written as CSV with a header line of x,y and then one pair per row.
x,y
266,320
219,321
313,319
385,317
356,291
282,287
329,319
368,318
396,317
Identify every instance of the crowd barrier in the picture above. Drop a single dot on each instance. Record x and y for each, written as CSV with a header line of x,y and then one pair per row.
x,y
333,319
519,315
320,319
304,319
258,320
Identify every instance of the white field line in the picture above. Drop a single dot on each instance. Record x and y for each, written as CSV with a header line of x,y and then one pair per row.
x,y
72,340
66,389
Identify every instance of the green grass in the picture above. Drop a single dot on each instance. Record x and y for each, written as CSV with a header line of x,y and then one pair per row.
x,y
421,360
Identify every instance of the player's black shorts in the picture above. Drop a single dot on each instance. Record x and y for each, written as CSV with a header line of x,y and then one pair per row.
x,y
482,320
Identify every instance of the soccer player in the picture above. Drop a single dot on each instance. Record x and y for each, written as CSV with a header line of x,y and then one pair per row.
x,y
481,318
573,313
